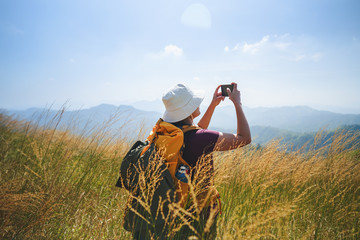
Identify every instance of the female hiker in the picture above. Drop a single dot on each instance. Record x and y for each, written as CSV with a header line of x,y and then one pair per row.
x,y
182,107
161,205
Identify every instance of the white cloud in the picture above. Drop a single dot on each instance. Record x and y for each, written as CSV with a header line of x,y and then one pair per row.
x,y
197,15
196,79
255,47
299,57
237,47
283,36
173,50
282,46
169,51
316,57
226,48
274,42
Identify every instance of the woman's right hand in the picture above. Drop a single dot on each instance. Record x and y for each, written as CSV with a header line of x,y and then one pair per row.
x,y
217,97
234,96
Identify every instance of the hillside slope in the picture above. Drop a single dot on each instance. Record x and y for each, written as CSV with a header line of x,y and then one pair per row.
x,y
55,185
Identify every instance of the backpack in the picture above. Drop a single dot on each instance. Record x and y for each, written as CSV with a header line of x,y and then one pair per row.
x,y
168,141
164,145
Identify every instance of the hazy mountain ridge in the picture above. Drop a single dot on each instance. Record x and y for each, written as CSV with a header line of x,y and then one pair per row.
x,y
294,141
115,117
265,123
297,119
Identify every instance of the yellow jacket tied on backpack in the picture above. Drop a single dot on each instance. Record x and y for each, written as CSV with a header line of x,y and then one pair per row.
x,y
169,141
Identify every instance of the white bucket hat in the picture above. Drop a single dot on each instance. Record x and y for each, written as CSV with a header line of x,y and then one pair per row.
x,y
180,102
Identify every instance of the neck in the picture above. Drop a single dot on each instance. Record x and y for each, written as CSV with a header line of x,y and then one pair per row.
x,y
189,121
186,121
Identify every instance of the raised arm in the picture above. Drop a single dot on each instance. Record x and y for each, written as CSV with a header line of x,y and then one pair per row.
x,y
217,98
228,141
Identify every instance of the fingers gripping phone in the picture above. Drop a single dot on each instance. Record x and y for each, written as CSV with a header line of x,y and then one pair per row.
x,y
224,87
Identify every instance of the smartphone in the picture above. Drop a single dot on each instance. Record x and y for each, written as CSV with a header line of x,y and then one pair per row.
x,y
224,87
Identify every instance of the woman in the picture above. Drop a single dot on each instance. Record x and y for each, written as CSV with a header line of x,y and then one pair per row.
x,y
182,107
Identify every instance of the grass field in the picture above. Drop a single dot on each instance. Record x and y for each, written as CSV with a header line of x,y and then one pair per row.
x,y
55,185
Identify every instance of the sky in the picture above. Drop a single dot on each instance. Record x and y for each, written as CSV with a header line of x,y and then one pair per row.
x,y
85,53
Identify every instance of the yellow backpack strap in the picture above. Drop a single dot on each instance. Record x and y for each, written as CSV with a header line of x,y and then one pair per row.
x,y
154,131
150,139
188,128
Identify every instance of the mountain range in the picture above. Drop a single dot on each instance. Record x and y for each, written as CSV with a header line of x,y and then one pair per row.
x,y
297,119
269,122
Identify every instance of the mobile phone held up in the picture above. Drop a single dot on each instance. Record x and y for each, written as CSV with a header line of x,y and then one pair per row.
x,y
224,87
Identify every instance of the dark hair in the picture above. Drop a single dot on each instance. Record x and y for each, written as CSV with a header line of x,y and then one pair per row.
x,y
181,123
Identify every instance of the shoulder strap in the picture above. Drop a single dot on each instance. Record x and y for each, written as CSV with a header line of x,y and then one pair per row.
x,y
185,129
188,128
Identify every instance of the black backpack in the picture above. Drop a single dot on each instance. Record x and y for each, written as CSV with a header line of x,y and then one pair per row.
x,y
132,167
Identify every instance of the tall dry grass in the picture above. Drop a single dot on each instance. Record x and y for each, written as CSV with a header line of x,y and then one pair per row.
x,y
273,194
56,185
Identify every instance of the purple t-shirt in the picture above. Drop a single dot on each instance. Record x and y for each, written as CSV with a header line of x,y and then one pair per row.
x,y
198,143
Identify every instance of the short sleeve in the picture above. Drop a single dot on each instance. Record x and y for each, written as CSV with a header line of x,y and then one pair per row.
x,y
199,143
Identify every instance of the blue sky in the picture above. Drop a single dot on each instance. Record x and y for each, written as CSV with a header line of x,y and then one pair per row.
x,y
281,53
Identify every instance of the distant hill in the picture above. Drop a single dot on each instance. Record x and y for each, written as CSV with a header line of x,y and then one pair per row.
x,y
305,141
125,118
265,123
295,141
262,135
296,119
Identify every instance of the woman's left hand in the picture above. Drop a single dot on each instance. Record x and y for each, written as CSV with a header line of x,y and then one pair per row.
x,y
217,97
